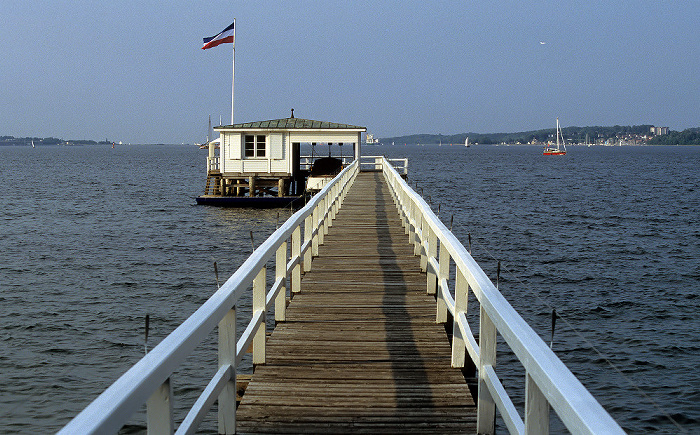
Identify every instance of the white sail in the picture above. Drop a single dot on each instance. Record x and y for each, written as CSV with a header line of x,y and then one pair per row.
x,y
555,150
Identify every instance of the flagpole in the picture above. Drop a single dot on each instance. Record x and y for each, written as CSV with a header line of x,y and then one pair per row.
x,y
233,72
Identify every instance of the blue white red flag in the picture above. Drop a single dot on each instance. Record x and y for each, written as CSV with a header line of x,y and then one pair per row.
x,y
226,36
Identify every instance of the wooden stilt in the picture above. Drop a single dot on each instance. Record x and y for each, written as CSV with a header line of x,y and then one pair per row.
x,y
251,185
280,187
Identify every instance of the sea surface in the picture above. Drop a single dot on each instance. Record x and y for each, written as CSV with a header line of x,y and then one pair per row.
x,y
95,238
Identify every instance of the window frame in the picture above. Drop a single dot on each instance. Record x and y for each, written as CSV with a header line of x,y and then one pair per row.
x,y
254,146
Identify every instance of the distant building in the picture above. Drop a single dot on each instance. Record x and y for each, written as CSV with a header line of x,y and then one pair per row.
x,y
658,131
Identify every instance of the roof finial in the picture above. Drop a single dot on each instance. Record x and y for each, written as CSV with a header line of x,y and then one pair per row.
x,y
292,112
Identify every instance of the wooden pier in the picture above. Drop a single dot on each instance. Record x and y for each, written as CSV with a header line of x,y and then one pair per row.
x,y
360,350
362,345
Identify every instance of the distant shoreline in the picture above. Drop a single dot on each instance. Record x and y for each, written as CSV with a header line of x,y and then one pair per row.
x,y
27,142
39,141
595,135
568,144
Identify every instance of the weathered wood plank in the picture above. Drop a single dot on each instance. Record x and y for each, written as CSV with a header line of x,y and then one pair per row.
x,y
360,351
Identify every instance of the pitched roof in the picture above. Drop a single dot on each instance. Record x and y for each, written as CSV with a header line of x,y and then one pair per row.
x,y
292,123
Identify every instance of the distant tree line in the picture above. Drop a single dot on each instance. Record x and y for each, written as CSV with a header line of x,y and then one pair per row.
x,y
571,134
690,136
22,141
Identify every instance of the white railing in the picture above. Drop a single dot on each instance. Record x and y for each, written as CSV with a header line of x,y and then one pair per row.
x,y
548,382
367,163
212,163
148,381
305,162
376,163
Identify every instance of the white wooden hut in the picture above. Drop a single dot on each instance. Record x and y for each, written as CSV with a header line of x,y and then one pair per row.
x,y
263,158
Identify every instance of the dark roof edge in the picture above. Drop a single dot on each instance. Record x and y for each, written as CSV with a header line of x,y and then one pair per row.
x,y
291,124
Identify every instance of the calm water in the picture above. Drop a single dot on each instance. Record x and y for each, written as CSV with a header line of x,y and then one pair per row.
x,y
95,238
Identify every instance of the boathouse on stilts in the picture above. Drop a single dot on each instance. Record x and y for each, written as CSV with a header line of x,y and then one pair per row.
x,y
260,164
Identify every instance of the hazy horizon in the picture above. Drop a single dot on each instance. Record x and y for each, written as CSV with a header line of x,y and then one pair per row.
x,y
135,72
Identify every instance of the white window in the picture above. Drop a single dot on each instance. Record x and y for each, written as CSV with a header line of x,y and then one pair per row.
x,y
254,145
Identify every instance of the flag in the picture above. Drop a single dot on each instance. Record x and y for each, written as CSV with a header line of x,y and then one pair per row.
x,y
224,37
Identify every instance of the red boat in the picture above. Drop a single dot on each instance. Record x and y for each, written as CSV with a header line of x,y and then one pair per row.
x,y
554,150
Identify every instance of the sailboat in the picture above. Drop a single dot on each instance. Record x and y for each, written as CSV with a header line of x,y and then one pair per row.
x,y
466,142
550,150
33,144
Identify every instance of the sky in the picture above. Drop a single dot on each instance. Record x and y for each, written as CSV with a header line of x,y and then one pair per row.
x,y
134,71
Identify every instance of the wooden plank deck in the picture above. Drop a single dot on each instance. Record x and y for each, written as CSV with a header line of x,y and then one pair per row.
x,y
360,351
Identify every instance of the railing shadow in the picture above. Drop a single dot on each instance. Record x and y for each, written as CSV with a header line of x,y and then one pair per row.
x,y
408,366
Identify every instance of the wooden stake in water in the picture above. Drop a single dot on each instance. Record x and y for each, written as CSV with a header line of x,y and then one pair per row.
x,y
252,242
216,275
498,273
145,342
554,322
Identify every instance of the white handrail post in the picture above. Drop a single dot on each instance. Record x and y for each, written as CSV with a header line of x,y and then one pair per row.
x,y
330,206
316,229
411,224
417,222
401,196
159,410
405,210
281,273
431,253
486,407
308,231
336,201
423,242
461,298
343,191
346,188
296,253
331,203
443,274
227,356
340,193
325,214
259,305
536,408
